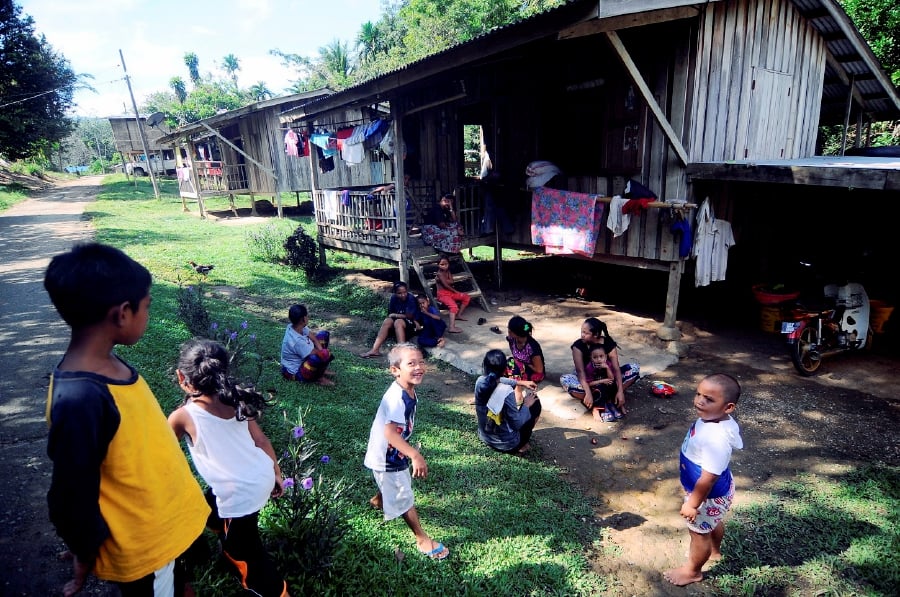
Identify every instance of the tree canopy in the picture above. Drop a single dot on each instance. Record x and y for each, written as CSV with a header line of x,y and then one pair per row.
x,y
36,87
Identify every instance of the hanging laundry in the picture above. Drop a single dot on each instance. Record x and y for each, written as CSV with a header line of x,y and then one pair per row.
x,y
330,204
635,207
539,173
345,198
375,133
290,143
565,222
327,142
713,238
681,226
618,220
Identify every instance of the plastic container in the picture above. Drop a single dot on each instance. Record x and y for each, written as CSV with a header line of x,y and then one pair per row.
x,y
767,297
770,318
879,313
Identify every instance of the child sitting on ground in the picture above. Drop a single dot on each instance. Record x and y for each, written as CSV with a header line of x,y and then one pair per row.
x,y
603,386
449,295
506,413
433,326
304,355
234,457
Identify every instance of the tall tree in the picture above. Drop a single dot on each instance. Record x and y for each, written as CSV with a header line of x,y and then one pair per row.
x,y
36,87
259,91
231,65
193,65
879,23
176,84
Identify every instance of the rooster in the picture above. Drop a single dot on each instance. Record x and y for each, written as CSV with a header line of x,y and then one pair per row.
x,y
201,269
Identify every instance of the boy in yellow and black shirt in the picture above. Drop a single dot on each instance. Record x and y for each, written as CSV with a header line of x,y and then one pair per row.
x,y
122,496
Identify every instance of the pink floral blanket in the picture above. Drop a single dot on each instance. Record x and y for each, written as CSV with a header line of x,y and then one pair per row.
x,y
564,222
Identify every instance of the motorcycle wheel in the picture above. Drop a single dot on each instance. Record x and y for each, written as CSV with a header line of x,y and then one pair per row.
x,y
805,360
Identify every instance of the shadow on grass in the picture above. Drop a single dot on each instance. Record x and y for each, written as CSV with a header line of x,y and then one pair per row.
x,y
833,535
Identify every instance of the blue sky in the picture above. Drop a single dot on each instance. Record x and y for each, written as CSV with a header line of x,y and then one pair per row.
x,y
155,35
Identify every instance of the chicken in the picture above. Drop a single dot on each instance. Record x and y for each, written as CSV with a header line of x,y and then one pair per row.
x,y
201,269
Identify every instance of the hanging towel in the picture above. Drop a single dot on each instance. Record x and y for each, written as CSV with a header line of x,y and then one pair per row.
x,y
327,142
565,222
345,198
618,220
330,201
290,143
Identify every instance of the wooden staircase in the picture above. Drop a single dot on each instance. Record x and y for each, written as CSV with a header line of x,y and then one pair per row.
x,y
425,266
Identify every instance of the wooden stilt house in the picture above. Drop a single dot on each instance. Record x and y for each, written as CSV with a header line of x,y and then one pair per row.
x,y
656,92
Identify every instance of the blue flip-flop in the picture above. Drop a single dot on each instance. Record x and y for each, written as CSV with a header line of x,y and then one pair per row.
x,y
435,554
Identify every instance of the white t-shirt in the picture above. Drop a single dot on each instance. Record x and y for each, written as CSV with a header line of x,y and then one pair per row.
x,y
295,347
241,474
397,407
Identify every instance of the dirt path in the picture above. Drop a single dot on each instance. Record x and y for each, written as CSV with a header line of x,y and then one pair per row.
x,y
845,416
33,340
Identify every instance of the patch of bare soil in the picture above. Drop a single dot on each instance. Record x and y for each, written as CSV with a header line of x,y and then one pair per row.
x,y
842,418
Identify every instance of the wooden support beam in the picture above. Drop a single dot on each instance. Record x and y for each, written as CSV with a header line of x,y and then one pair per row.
x,y
638,79
595,26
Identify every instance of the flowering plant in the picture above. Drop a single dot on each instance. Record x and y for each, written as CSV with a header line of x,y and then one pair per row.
x,y
304,526
244,360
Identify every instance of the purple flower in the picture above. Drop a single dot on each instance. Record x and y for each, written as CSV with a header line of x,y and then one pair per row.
x,y
233,335
325,459
243,325
190,289
298,432
287,483
253,336
286,454
214,326
307,483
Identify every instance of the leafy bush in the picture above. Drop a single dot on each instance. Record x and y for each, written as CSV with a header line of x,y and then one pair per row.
x,y
302,253
304,528
267,244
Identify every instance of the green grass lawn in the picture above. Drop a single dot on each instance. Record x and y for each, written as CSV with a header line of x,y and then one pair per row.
x,y
513,527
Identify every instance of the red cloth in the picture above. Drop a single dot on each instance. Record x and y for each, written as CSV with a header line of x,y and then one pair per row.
x,y
634,207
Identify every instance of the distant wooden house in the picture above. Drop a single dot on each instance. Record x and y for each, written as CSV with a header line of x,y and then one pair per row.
x,y
127,139
239,152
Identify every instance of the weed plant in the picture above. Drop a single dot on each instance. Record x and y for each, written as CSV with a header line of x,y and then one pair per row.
x,y
513,527
11,194
267,243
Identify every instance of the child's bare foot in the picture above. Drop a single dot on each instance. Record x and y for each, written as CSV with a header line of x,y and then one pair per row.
x,y
461,318
329,373
524,449
597,414
454,330
324,381
682,576
441,342
376,502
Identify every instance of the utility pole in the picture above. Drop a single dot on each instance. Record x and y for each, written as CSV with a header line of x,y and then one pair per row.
x,y
140,128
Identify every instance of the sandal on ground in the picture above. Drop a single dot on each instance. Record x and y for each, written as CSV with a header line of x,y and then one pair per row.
x,y
607,417
369,355
614,411
438,553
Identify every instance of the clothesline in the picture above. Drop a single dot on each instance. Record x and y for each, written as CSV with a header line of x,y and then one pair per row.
x,y
335,125
655,203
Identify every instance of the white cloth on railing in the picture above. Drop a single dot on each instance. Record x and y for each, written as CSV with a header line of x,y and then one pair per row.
x,y
330,202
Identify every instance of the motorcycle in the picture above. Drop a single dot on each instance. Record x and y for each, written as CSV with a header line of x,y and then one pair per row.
x,y
842,326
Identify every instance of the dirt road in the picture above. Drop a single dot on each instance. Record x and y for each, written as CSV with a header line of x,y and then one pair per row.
x,y
33,340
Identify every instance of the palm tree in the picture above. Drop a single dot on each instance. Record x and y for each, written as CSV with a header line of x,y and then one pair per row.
x,y
177,85
368,40
334,64
259,91
231,65
193,64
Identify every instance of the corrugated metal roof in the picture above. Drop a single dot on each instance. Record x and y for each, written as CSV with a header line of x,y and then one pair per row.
x,y
852,57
